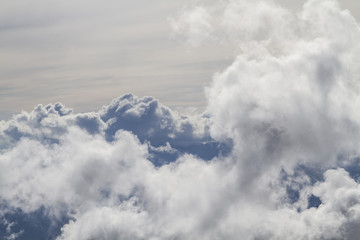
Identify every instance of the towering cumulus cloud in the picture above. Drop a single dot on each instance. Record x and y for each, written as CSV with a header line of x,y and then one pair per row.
x,y
274,156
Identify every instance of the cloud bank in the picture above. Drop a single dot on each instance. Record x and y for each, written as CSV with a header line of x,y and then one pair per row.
x,y
274,156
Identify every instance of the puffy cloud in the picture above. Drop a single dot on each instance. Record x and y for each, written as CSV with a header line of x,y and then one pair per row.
x,y
68,164
80,169
151,121
274,157
158,125
122,222
297,106
148,119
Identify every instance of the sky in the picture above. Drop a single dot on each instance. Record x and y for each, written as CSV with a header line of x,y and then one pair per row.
x,y
187,120
86,53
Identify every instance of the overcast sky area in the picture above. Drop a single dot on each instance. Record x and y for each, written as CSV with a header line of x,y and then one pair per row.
x,y
85,53
191,120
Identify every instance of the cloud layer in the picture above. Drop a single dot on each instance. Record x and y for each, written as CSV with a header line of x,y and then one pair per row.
x,y
275,155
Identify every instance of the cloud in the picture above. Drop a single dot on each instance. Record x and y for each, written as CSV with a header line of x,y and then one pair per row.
x,y
275,155
149,120
238,23
59,161
194,22
158,125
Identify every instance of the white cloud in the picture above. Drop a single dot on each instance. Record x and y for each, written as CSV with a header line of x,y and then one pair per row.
x,y
194,22
291,116
299,105
82,169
